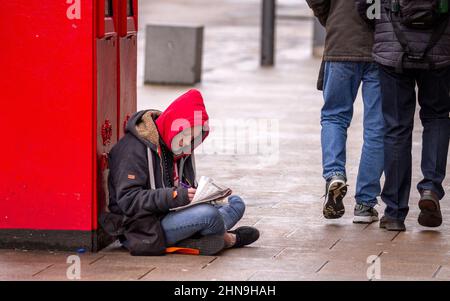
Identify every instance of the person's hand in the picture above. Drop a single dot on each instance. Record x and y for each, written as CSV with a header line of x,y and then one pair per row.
x,y
191,193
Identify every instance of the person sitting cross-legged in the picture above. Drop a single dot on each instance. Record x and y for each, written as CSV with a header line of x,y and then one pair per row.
x,y
152,170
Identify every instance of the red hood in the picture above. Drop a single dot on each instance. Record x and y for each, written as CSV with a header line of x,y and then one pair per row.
x,y
186,111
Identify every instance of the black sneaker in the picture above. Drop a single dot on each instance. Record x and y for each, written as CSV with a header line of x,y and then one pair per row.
x,y
392,224
245,236
430,209
335,191
365,214
207,245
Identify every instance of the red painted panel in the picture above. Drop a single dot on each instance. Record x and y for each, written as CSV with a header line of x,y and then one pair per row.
x,y
127,56
47,83
106,115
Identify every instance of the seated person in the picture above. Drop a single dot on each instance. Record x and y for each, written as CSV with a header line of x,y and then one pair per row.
x,y
152,170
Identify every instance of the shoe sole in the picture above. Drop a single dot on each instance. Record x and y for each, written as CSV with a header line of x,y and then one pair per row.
x,y
334,206
207,245
365,219
383,226
430,214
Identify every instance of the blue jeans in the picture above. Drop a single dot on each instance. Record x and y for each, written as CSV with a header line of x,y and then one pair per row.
x,y
341,85
203,219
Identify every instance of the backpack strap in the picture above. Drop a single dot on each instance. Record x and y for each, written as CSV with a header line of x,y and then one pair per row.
x,y
436,36
401,37
151,171
181,168
194,168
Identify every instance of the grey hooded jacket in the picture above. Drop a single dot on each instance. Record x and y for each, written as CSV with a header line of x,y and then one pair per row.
x,y
135,208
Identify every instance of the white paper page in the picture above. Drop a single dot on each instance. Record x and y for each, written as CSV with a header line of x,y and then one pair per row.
x,y
202,188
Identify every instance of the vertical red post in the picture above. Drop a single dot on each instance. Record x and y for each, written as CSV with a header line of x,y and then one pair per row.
x,y
107,81
127,58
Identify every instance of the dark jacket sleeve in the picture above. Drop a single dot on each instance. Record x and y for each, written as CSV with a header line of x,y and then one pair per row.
x,y
321,9
362,6
129,173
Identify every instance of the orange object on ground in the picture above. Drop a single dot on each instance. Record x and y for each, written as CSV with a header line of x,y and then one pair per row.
x,y
186,251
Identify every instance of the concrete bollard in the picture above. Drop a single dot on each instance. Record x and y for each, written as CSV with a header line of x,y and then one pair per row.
x,y
268,20
173,54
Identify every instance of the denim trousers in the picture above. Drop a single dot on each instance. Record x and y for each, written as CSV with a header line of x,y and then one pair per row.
x,y
341,84
202,219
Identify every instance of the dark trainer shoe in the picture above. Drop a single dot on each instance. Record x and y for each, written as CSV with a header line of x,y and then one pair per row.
x,y
392,224
430,210
335,191
365,214
207,245
245,236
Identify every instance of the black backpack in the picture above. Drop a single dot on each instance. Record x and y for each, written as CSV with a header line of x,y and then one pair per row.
x,y
418,15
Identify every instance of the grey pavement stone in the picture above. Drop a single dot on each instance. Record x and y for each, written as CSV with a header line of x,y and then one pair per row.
x,y
253,252
443,273
123,271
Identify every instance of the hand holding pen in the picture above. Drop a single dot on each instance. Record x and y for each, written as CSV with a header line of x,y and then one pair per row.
x,y
191,191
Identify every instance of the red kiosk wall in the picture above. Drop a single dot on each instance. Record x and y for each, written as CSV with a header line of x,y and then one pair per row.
x,y
58,97
127,57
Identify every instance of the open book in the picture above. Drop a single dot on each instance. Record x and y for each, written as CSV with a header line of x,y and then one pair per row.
x,y
207,191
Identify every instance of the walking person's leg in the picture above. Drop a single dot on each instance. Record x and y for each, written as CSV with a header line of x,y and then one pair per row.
x,y
434,99
341,84
372,156
399,103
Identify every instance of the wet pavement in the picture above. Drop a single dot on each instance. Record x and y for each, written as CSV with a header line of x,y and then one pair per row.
x,y
278,174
